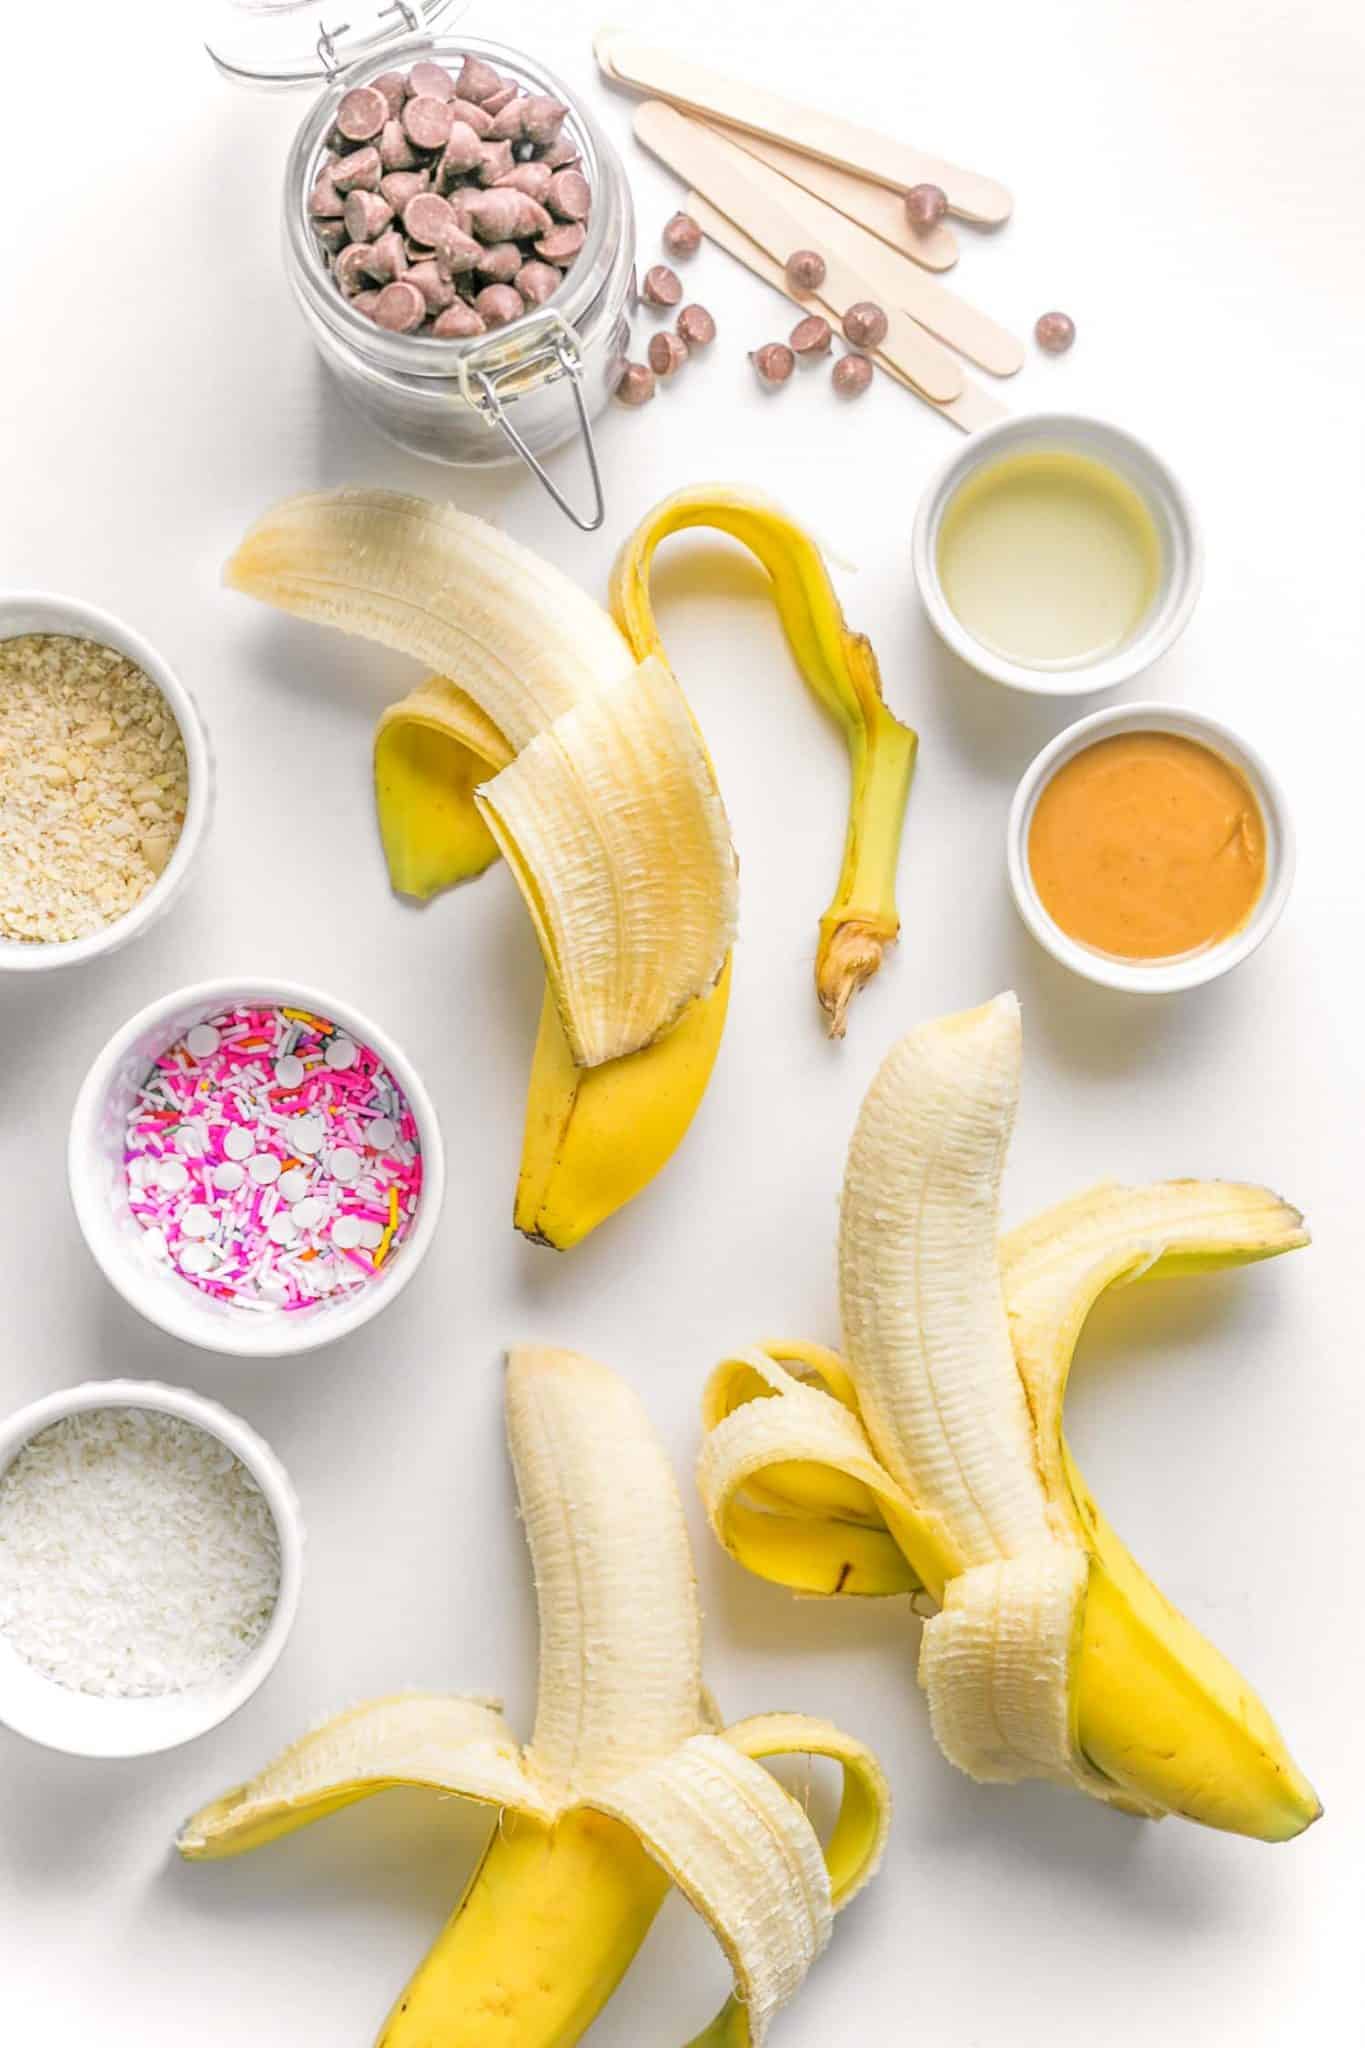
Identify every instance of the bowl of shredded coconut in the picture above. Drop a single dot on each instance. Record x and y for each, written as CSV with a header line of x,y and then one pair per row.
x,y
151,1552
105,782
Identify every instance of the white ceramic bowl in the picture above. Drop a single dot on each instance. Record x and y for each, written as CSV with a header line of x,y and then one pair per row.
x,y
1152,977
36,611
1181,554
118,1242
85,1724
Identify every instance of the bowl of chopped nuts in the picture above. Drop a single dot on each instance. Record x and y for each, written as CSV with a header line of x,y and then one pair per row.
x,y
106,782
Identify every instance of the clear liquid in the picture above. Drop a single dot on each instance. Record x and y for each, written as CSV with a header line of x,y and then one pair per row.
x,y
1048,557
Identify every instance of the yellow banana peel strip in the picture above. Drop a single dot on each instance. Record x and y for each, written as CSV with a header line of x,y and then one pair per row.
x,y
841,669
431,751
854,1850
1157,1721
627,1784
793,1489
433,1742
454,592
708,1788
998,1662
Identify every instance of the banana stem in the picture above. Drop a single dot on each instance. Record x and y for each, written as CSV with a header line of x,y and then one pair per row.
x,y
841,669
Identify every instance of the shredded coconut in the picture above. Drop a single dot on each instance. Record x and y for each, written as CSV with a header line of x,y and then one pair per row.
x,y
138,1556
93,786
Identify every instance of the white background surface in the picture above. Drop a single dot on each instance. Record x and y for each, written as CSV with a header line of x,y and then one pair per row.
x,y
1188,187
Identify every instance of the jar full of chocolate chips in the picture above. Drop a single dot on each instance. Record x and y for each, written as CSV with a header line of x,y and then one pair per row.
x,y
458,231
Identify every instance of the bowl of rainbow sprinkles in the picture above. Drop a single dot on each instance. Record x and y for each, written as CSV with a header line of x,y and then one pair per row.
x,y
256,1167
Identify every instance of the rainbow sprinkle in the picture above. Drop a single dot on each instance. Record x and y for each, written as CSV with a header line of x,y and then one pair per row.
x,y
271,1160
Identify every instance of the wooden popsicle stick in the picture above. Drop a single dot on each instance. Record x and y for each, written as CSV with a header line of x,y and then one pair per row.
x,y
879,157
703,159
972,333
874,207
973,408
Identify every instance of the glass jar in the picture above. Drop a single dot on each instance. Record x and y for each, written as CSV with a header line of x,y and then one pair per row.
x,y
520,390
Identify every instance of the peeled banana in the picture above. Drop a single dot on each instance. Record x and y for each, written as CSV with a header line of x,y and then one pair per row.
x,y
627,1785
575,1169
557,736
935,1462
531,740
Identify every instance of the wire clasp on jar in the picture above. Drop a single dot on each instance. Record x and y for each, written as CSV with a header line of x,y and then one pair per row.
x,y
558,355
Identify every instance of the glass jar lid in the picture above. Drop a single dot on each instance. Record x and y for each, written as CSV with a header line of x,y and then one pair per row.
x,y
298,42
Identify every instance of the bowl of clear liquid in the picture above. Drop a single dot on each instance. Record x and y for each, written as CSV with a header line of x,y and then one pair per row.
x,y
1057,554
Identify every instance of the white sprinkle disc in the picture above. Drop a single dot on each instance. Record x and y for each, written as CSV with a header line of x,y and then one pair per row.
x,y
346,1232
228,1176
172,1176
289,1071
341,1053
281,1228
197,1258
381,1133
239,1142
371,1234
155,1241
263,1168
197,1220
307,1212
345,1163
306,1134
293,1183
142,1171
202,1041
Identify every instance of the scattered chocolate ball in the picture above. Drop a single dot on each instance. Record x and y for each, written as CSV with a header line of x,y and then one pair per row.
x,y
662,286
925,206
682,235
851,376
811,337
805,270
774,362
865,324
637,384
666,353
1055,332
697,328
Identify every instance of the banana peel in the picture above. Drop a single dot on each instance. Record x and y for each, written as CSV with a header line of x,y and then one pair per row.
x,y
595,1137
628,1785
432,750
841,669
1056,1656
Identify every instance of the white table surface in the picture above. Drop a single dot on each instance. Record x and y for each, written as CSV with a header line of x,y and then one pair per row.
x,y
1188,187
